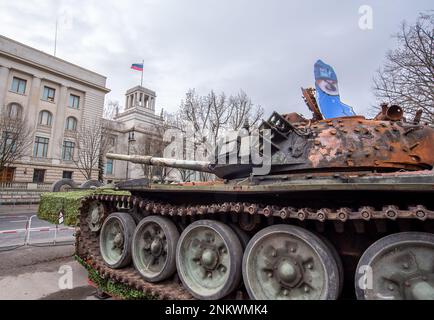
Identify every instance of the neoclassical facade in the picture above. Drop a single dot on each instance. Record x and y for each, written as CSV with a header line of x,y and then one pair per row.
x,y
136,130
53,96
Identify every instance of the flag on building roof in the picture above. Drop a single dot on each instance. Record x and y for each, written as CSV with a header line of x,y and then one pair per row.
x,y
137,66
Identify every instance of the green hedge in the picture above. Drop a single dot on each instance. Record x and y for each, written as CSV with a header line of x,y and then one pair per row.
x,y
69,202
110,287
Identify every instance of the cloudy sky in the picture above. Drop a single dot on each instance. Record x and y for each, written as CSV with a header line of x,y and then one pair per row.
x,y
265,47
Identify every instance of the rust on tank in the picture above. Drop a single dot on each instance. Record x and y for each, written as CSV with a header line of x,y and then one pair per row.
x,y
386,143
372,143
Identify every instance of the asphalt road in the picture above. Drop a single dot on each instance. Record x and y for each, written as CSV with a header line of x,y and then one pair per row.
x,y
13,224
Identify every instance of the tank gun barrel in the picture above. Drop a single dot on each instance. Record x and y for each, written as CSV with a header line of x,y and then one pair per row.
x,y
202,166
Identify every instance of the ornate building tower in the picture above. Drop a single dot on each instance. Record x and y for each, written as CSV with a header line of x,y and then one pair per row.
x,y
136,130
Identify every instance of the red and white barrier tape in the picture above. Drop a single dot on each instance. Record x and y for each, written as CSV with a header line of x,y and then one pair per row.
x,y
35,230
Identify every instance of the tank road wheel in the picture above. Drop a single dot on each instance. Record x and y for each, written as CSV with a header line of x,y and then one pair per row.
x,y
96,215
63,185
115,239
397,267
91,184
208,259
154,248
288,262
241,234
338,260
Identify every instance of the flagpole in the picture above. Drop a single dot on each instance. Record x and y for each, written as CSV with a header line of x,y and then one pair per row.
x,y
143,67
55,38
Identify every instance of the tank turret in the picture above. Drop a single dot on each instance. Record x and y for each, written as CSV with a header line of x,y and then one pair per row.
x,y
387,143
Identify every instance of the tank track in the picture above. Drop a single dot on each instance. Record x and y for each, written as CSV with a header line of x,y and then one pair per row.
x,y
342,214
88,242
87,246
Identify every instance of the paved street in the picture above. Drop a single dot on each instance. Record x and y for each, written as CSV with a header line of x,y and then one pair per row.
x,y
35,273
13,223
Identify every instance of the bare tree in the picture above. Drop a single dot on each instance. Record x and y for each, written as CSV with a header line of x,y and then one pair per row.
x,y
211,116
91,140
216,113
143,147
111,109
176,121
244,110
152,145
15,139
407,77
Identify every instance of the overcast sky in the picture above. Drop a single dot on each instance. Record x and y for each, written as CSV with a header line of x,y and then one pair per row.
x,y
267,48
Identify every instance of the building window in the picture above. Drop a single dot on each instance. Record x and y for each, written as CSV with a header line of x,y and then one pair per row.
x,y
109,166
67,175
74,101
68,150
49,94
7,174
14,111
38,175
18,85
71,124
111,141
7,144
41,147
45,118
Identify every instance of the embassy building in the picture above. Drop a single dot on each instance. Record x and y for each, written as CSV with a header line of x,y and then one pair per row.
x,y
53,96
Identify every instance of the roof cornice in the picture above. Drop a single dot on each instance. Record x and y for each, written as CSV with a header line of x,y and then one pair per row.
x,y
53,71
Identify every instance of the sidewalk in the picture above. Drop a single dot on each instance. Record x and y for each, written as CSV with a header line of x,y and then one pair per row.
x,y
21,208
35,273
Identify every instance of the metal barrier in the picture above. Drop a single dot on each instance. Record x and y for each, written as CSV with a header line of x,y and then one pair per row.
x,y
25,186
55,229
28,230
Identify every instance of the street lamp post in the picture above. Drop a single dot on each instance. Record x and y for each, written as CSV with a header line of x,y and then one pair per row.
x,y
130,139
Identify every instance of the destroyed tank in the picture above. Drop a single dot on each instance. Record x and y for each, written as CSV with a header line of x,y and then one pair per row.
x,y
346,211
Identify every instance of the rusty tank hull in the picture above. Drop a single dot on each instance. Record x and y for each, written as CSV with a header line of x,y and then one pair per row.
x,y
346,211
343,145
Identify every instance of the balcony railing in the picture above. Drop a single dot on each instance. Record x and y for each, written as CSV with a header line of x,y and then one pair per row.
x,y
25,186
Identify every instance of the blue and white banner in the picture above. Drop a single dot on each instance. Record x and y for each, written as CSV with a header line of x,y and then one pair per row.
x,y
327,92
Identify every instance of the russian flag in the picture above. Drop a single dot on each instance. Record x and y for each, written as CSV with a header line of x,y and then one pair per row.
x,y
137,66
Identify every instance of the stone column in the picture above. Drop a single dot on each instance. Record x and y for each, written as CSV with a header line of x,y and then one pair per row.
x,y
4,76
55,147
126,102
34,98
